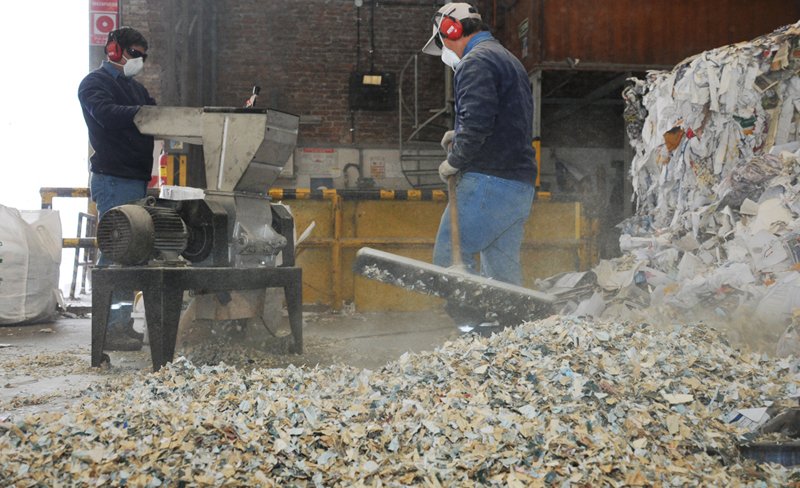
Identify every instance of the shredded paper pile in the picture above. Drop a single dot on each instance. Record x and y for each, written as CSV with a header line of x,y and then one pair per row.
x,y
716,235
558,402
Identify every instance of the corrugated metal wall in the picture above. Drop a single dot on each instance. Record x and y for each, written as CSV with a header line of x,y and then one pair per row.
x,y
620,34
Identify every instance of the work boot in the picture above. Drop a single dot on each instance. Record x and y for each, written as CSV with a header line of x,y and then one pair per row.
x,y
465,317
117,339
486,329
465,327
130,331
483,329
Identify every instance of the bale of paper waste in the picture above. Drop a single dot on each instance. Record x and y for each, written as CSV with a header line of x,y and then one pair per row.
x,y
716,234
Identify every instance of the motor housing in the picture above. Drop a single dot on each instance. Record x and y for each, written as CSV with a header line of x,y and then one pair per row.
x,y
134,234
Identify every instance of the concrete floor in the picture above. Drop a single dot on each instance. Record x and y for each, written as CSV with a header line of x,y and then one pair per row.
x,y
46,366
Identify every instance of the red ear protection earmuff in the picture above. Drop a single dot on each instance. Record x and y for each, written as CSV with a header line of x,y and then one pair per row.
x,y
451,28
113,49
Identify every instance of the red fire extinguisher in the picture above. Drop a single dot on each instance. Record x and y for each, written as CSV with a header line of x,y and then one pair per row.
x,y
161,179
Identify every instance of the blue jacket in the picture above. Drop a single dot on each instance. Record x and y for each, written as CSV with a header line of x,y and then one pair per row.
x,y
494,113
110,101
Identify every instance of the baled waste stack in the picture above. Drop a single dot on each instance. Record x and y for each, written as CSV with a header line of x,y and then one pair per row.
x,y
715,178
560,402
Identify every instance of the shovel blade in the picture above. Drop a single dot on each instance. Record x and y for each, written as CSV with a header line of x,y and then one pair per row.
x,y
510,302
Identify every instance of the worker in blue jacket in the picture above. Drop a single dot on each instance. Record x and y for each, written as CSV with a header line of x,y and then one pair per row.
x,y
122,162
490,149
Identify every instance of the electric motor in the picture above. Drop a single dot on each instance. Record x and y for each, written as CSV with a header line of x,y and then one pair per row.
x,y
134,234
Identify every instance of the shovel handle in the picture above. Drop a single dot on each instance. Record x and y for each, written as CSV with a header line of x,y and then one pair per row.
x,y
455,236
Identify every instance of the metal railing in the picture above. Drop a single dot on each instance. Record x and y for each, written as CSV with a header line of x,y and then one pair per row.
x,y
85,232
419,160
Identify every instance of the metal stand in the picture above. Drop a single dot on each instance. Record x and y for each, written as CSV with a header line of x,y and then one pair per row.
x,y
88,253
163,289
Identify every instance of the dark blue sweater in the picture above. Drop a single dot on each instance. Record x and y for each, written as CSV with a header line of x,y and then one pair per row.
x,y
494,113
110,101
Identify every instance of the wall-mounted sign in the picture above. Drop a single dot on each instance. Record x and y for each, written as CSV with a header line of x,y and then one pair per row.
x,y
103,18
319,162
377,168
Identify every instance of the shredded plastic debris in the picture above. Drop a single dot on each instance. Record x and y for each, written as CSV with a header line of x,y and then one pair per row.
x,y
556,402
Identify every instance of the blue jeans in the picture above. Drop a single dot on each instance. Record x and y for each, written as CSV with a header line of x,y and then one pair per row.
x,y
109,192
492,213
112,191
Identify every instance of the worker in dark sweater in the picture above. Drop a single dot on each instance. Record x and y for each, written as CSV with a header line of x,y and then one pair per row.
x,y
489,151
122,162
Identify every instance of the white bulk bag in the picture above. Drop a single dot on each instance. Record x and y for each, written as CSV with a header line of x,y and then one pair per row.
x,y
30,255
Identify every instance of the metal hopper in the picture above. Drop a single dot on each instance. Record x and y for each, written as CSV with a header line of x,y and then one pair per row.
x,y
245,149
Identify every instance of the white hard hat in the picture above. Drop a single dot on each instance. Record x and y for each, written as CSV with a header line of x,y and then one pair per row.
x,y
456,10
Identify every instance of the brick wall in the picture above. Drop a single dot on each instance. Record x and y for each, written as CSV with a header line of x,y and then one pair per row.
x,y
301,53
137,14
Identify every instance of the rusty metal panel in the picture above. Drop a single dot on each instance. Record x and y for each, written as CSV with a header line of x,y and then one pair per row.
x,y
636,33
518,28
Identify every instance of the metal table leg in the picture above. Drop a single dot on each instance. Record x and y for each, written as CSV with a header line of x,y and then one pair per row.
x,y
294,304
101,308
163,289
162,307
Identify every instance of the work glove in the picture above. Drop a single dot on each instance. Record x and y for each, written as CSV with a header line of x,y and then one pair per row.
x,y
447,139
446,170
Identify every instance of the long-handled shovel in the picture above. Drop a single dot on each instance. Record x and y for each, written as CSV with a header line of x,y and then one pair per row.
x,y
455,235
510,303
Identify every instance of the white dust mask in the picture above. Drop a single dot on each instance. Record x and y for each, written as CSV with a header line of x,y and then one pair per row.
x,y
449,57
133,67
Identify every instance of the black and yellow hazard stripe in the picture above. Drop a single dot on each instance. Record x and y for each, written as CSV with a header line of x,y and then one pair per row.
x,y
75,242
48,194
372,194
